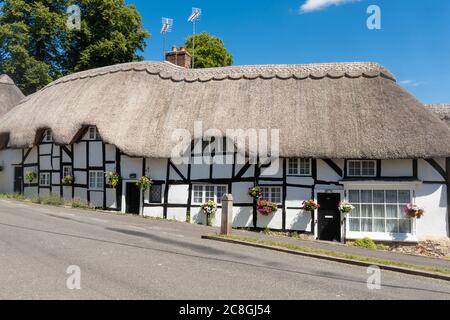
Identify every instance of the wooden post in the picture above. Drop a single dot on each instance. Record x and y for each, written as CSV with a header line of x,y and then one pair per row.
x,y
227,214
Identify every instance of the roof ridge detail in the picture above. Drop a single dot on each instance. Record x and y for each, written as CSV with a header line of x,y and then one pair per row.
x,y
169,71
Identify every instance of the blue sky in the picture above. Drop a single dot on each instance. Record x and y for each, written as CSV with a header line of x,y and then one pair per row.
x,y
413,43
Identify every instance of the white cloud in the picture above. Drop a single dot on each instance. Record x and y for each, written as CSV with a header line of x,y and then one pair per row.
x,y
315,5
412,83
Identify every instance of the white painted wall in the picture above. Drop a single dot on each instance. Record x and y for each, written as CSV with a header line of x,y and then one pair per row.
x,y
433,198
397,168
8,158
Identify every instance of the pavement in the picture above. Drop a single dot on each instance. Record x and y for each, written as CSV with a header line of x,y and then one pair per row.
x,y
124,257
338,247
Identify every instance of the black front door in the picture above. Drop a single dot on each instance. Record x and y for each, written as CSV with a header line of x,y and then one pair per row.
x,y
133,198
329,223
18,178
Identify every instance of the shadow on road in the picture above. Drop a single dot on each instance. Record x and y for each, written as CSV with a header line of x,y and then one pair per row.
x,y
318,274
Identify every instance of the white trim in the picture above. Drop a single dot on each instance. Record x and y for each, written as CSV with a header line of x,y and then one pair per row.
x,y
299,174
382,185
63,170
270,187
203,185
361,168
97,173
389,185
382,236
47,183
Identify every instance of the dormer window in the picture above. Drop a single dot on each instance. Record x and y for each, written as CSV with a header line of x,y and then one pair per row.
x,y
93,133
47,137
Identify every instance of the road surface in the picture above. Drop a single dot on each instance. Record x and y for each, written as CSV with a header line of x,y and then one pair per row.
x,y
123,257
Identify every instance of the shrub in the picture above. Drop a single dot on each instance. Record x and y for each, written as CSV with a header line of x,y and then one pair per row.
x,y
80,204
49,199
366,243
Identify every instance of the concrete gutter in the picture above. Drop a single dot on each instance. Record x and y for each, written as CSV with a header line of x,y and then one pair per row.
x,y
335,259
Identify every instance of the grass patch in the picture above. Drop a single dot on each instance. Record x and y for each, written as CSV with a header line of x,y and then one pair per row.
x,y
50,200
336,254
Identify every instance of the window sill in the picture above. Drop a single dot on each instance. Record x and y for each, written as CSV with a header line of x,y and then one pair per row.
x,y
382,236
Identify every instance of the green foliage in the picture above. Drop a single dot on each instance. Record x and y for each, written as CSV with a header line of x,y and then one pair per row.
x,y
36,46
144,183
366,243
68,180
49,200
111,32
332,253
113,179
79,204
30,176
210,51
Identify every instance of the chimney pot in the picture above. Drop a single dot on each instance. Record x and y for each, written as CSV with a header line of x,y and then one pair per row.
x,y
174,49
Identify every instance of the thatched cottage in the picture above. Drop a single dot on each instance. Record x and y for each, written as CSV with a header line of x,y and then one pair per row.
x,y
347,131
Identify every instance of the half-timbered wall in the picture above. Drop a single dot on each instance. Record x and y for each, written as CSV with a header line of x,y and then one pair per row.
x,y
175,184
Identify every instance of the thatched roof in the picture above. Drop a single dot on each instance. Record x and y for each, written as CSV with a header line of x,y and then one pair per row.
x,y
10,95
337,110
442,110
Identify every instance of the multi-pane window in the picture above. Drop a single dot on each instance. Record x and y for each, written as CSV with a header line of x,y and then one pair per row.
x,y
96,180
67,171
362,168
47,137
156,193
272,194
44,179
220,191
299,166
93,133
379,211
204,193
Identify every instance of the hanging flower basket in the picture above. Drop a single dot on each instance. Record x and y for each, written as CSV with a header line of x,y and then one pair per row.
x,y
210,209
345,207
113,179
255,193
310,205
68,180
266,207
30,176
144,183
413,211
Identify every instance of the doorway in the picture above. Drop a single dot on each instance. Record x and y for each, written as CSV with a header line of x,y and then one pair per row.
x,y
329,217
132,198
18,179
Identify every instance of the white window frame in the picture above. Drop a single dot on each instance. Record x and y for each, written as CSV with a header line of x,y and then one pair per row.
x,y
93,133
270,190
98,176
69,169
361,162
201,188
297,170
383,236
48,136
47,178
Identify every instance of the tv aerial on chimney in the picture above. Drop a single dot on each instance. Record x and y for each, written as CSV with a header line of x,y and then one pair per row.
x,y
194,17
167,24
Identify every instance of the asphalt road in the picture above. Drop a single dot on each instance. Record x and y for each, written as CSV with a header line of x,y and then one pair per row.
x,y
122,257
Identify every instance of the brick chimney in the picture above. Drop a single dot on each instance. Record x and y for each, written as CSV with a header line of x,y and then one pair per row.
x,y
179,57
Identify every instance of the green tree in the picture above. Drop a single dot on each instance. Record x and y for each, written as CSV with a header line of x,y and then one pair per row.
x,y
36,46
30,45
111,32
210,51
